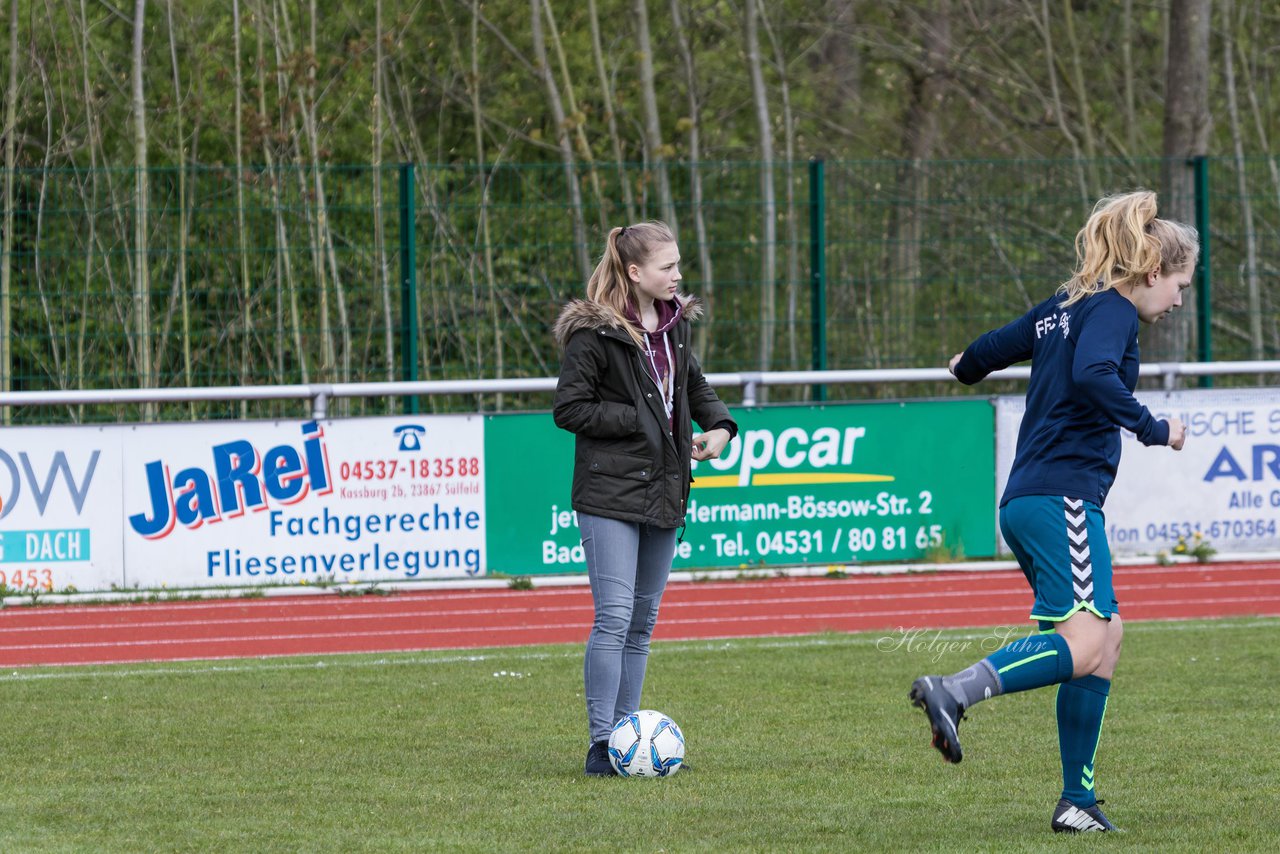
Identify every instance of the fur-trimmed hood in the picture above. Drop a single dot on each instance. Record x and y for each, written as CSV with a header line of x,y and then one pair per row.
x,y
583,314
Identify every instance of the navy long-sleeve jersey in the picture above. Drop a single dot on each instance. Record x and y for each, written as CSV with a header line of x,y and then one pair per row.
x,y
1084,367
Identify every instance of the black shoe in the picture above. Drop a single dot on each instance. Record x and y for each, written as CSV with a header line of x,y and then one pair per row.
x,y
944,714
1069,818
598,764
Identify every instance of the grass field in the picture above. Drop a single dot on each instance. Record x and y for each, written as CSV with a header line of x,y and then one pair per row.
x,y
797,744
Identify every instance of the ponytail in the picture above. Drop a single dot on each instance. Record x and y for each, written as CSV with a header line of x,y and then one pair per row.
x,y
1114,247
1123,241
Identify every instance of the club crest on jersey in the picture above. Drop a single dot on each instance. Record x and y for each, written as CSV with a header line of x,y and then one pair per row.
x,y
1062,321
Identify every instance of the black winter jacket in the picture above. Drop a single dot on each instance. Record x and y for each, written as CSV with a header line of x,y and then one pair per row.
x,y
627,464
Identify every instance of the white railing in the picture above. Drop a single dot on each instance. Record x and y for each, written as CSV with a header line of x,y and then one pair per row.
x,y
321,393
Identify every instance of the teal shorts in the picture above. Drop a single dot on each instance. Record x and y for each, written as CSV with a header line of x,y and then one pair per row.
x,y
1061,545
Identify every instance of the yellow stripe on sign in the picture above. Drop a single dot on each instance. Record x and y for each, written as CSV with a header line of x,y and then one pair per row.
x,y
715,481
814,477
790,479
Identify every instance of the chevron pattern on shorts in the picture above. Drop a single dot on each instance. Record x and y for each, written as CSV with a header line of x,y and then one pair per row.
x,y
1078,544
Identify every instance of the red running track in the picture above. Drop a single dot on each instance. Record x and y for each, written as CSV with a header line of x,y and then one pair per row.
x,y
459,619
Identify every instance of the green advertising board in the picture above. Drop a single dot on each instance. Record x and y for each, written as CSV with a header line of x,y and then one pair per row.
x,y
825,485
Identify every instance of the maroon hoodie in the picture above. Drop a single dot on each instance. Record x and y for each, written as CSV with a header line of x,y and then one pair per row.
x,y
659,360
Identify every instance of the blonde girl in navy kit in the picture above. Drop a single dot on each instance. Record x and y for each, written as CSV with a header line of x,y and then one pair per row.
x,y
629,387
1083,347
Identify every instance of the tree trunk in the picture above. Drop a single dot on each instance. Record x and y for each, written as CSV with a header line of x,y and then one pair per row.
x,y
562,138
793,239
10,163
316,225
606,95
89,200
706,279
326,260
142,271
1059,112
55,370
284,260
1252,291
1126,65
652,127
838,59
483,176
1186,135
246,316
768,204
577,119
379,228
919,135
1085,119
181,273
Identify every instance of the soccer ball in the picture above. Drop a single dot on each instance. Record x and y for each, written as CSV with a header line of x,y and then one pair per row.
x,y
646,744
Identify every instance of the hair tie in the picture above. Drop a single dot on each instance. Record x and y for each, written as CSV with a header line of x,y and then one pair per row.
x,y
623,232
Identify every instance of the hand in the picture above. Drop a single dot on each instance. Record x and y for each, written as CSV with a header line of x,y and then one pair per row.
x,y
952,365
707,446
1177,433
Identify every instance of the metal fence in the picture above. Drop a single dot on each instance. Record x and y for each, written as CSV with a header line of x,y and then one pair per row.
x,y
340,274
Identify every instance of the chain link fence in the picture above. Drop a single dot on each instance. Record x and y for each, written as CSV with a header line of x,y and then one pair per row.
x,y
362,274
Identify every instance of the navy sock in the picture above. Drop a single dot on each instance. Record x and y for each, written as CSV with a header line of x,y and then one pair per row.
x,y
1033,662
1082,704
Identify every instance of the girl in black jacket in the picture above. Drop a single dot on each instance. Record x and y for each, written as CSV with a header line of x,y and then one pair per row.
x,y
629,385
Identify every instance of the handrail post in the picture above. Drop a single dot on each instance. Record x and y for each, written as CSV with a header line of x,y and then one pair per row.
x,y
751,388
320,402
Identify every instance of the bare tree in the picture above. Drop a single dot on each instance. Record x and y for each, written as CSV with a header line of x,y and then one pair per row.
x,y
142,272
284,263
1186,134
606,95
1259,122
562,138
652,127
1126,65
577,119
768,202
927,74
789,141
379,229
837,59
1246,204
180,274
1059,112
1085,117
246,315
10,163
706,277
55,351
89,198
483,174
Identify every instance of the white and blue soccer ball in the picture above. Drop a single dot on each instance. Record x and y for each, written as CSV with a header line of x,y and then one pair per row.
x,y
646,744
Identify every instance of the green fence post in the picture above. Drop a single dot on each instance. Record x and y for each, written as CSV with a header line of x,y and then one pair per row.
x,y
1204,305
408,286
818,270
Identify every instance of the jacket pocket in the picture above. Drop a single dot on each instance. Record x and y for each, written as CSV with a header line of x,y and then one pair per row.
x,y
618,481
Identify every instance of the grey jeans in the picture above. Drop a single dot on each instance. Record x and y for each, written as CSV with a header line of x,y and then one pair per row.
x,y
627,564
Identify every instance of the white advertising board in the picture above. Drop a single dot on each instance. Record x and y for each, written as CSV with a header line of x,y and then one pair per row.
x,y
1224,483
244,503
60,508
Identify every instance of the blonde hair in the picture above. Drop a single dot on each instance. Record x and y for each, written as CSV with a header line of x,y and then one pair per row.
x,y
609,285
1123,241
